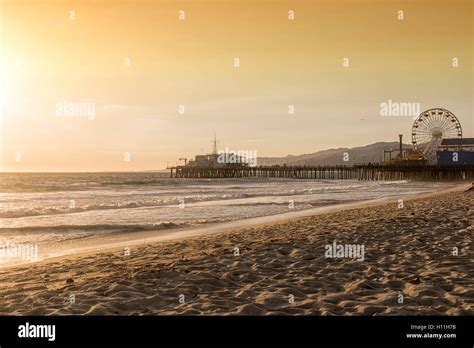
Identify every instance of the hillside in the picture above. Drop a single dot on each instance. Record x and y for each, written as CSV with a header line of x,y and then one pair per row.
x,y
363,154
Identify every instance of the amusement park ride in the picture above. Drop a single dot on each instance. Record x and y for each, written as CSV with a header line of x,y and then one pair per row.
x,y
428,131
439,152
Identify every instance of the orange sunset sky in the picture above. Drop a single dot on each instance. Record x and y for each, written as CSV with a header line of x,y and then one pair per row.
x,y
136,62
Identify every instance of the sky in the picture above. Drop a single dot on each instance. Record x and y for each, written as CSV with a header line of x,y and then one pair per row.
x,y
109,85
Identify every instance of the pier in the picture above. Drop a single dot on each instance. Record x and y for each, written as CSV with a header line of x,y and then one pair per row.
x,y
341,172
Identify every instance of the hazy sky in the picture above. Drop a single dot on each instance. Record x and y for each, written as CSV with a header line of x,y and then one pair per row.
x,y
133,63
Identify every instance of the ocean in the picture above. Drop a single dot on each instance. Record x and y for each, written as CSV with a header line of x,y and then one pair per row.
x,y
43,209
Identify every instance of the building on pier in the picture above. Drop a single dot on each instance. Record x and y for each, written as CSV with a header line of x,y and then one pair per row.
x,y
437,139
217,160
222,159
456,151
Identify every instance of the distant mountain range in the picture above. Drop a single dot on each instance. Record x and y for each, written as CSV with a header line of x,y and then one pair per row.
x,y
364,154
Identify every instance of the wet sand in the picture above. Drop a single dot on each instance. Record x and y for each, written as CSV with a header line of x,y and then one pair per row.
x,y
275,266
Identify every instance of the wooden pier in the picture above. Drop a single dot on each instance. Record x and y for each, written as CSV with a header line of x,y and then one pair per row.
x,y
354,172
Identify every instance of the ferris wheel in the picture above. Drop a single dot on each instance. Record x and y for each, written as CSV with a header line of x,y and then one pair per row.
x,y
432,126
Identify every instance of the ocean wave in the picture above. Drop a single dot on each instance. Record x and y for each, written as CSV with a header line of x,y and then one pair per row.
x,y
395,182
95,228
39,211
44,210
58,210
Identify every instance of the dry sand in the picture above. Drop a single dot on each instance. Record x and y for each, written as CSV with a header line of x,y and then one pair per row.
x,y
280,268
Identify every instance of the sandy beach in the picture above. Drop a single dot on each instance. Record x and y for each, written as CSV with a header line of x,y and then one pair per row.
x,y
417,259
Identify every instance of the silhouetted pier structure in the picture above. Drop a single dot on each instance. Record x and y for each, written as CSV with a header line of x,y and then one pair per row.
x,y
360,172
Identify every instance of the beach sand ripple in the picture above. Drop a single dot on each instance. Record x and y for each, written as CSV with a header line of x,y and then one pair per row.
x,y
279,269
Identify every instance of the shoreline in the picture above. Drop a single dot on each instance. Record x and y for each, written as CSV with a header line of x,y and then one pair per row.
x,y
116,241
254,270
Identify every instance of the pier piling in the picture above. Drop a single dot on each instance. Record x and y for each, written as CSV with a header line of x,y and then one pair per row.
x,y
357,172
